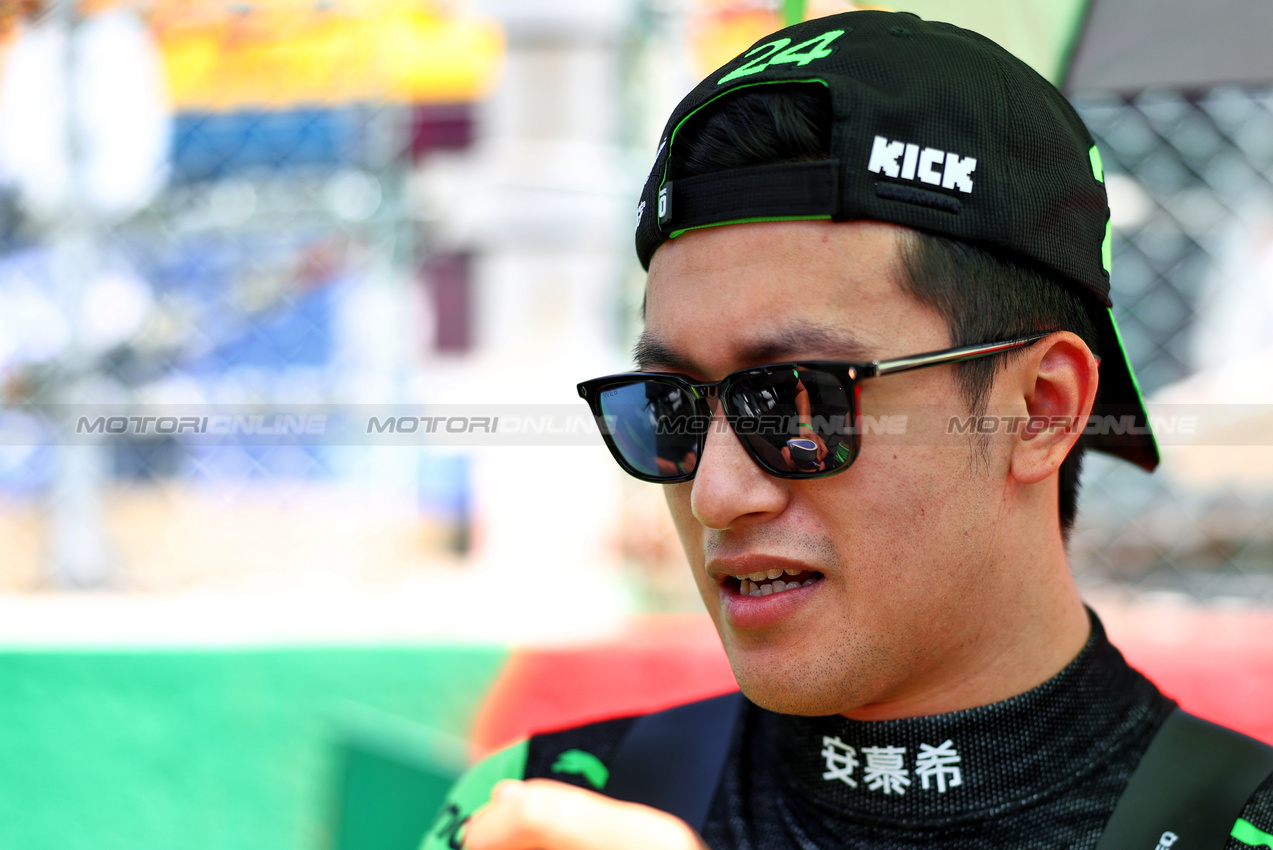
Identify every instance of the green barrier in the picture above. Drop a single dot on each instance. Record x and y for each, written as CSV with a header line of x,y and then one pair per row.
x,y
393,778
204,750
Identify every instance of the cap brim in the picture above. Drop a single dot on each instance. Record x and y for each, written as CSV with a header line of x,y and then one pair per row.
x,y
1119,424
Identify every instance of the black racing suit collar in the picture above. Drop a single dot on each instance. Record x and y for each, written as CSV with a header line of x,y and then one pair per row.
x,y
968,765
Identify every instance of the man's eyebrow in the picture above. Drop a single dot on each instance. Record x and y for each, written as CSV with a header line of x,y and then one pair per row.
x,y
781,344
786,343
650,352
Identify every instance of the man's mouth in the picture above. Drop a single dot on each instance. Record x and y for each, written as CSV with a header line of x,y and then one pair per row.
x,y
767,582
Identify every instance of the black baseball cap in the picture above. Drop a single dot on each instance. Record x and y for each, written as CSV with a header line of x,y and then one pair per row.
x,y
936,128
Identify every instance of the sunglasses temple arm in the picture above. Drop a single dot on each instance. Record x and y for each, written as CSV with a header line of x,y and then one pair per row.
x,y
954,355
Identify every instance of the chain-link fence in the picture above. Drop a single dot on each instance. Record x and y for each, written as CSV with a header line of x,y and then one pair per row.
x,y
1191,186
281,264
295,257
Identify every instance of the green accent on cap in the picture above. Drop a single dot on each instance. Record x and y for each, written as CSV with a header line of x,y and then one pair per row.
x,y
793,11
584,764
755,220
1122,352
1248,833
1098,170
672,138
1107,247
841,453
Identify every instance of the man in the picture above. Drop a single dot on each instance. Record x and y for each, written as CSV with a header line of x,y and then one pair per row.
x,y
872,217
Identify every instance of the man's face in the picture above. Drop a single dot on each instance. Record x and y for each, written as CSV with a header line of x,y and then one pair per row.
x,y
902,540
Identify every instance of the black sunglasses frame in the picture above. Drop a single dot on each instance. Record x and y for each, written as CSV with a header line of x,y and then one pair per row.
x,y
850,374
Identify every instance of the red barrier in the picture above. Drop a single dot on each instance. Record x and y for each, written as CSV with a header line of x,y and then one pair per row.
x,y
660,662
1218,664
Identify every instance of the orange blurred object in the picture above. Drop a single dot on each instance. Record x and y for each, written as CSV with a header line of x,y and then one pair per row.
x,y
280,54
722,29
718,35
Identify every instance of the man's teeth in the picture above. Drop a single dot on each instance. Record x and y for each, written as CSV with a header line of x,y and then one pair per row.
x,y
766,582
771,574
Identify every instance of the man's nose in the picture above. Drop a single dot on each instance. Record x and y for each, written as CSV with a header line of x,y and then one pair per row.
x,y
728,487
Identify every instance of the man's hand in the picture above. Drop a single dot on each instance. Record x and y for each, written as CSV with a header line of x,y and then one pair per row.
x,y
541,814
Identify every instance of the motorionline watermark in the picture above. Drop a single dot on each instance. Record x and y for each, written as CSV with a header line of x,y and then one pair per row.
x,y
279,425
1103,425
524,424
336,424
574,425
317,424
770,425
252,425
666,425
1118,425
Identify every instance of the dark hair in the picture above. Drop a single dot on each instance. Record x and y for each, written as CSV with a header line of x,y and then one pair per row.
x,y
983,296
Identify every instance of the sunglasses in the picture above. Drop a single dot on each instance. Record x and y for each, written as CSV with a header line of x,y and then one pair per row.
x,y
795,420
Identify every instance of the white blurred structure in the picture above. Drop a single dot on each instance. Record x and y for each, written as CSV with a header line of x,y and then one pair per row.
x,y
541,204
1233,385
85,130
85,124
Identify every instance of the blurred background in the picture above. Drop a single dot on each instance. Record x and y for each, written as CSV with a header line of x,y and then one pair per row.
x,y
266,580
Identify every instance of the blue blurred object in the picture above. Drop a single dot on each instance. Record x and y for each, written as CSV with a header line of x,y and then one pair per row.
x,y
210,146
445,492
296,332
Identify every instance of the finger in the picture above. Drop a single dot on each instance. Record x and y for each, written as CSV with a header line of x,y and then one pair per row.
x,y
498,824
541,814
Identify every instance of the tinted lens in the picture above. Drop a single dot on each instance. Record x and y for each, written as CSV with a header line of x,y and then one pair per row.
x,y
795,422
655,426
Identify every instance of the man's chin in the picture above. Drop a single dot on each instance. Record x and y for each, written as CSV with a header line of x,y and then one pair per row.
x,y
782,702
792,691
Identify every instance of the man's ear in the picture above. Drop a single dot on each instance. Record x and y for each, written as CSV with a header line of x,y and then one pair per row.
x,y
1059,376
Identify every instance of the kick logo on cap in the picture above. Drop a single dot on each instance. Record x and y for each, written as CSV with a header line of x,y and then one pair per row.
x,y
922,164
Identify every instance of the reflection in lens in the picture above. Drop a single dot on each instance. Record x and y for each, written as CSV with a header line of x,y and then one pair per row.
x,y
794,421
656,427
803,453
